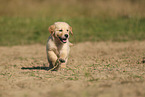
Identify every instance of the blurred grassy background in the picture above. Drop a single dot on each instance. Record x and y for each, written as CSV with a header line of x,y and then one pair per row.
x,y
26,21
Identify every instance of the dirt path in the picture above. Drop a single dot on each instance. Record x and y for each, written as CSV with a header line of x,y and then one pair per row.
x,y
103,69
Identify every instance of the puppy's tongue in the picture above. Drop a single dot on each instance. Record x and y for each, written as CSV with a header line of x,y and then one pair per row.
x,y
64,40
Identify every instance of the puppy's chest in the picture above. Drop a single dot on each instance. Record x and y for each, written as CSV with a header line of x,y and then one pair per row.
x,y
57,50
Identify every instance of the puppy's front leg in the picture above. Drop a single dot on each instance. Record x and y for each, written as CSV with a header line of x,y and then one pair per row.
x,y
63,58
52,58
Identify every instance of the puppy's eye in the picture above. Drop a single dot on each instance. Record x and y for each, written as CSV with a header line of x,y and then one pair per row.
x,y
60,30
67,30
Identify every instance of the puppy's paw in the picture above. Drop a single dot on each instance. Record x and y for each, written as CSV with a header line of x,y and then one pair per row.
x,y
62,60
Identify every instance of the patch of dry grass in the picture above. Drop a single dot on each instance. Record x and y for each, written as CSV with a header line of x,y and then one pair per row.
x,y
94,69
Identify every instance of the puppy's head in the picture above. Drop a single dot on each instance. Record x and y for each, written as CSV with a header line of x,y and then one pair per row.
x,y
60,31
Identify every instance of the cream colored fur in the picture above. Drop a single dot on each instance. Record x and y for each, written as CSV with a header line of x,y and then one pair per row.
x,y
58,46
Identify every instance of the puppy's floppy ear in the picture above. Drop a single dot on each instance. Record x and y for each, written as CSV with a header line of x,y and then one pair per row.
x,y
51,29
71,30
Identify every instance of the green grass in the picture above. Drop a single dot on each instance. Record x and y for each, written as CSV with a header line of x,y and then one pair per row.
x,y
26,22
28,30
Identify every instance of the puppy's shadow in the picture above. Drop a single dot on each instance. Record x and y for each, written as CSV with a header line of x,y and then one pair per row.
x,y
36,68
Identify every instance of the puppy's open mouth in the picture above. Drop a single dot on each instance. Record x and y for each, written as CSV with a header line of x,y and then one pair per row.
x,y
64,40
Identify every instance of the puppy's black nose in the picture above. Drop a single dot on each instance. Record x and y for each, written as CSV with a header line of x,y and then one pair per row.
x,y
66,35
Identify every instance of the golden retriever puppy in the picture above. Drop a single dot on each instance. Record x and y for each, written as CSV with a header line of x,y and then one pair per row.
x,y
58,45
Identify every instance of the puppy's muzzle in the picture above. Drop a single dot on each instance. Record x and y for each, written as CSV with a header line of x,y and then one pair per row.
x,y
66,35
64,39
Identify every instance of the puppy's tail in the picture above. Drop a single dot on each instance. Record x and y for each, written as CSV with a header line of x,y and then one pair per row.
x,y
70,44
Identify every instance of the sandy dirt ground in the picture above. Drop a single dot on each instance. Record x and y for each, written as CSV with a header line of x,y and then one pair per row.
x,y
94,69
